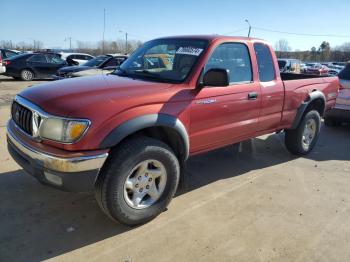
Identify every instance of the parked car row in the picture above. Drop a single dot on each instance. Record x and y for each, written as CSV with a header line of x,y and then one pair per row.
x,y
99,65
50,65
321,69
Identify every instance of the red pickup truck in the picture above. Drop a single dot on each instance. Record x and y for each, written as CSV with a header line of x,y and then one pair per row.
x,y
127,135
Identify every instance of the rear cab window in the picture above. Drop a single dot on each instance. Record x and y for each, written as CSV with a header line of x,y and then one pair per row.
x,y
265,62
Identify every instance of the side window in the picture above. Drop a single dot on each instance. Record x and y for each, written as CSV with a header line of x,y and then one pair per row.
x,y
54,59
120,60
87,57
80,57
111,62
38,59
8,54
234,57
265,62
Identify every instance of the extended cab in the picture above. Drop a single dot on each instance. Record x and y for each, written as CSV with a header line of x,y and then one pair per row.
x,y
127,135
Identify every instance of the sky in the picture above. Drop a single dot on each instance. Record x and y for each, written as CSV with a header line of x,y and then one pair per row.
x,y
53,21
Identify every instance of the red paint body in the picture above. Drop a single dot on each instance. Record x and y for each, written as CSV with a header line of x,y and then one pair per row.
x,y
109,100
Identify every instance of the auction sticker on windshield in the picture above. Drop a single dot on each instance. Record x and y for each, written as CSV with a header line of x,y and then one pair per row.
x,y
188,50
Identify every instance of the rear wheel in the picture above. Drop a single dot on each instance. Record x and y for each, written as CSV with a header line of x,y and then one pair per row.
x,y
27,75
301,141
138,181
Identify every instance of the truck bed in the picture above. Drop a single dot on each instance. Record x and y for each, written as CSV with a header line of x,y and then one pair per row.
x,y
292,76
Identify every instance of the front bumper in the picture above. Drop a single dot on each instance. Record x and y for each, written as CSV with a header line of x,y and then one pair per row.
x,y
77,174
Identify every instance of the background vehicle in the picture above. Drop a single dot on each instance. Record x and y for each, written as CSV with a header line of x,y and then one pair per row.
x,y
127,135
341,112
289,65
31,66
6,53
80,58
316,69
103,64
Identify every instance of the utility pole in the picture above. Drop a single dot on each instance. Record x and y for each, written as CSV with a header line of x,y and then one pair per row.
x,y
126,43
104,29
250,27
126,40
70,42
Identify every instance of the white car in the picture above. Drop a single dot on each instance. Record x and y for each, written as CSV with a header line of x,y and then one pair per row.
x,y
6,53
79,58
341,112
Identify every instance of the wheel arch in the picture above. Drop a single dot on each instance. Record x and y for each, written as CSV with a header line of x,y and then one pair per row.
x,y
316,100
164,127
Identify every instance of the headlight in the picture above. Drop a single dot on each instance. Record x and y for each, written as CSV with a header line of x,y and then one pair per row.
x,y
63,130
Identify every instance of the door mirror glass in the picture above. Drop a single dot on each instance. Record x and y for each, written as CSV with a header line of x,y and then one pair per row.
x,y
216,77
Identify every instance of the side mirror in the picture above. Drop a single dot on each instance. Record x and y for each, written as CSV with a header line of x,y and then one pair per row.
x,y
216,77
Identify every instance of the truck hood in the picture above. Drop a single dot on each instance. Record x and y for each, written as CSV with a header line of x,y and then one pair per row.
x,y
77,97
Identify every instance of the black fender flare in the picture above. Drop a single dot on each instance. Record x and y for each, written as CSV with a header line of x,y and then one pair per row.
x,y
151,120
301,110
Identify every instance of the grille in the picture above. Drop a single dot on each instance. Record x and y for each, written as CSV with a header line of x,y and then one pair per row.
x,y
22,117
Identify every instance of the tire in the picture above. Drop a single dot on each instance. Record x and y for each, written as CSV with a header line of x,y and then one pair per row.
x,y
116,197
27,75
301,141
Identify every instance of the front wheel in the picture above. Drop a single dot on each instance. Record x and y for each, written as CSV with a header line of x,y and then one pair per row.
x,y
301,141
27,75
138,181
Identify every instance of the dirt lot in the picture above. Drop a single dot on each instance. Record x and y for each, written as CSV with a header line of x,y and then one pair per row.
x,y
261,204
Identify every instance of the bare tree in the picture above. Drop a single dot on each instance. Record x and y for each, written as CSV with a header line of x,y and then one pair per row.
x,y
282,45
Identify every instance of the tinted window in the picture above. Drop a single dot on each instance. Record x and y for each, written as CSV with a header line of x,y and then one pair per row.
x,y
87,57
265,62
345,73
120,60
97,61
234,57
54,59
9,54
80,57
111,62
282,64
38,58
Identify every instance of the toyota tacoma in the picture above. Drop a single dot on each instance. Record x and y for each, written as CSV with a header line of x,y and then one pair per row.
x,y
127,135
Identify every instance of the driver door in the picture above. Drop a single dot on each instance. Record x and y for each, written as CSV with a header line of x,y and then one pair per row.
x,y
223,115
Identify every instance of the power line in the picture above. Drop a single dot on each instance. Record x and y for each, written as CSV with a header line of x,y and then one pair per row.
x,y
300,34
236,31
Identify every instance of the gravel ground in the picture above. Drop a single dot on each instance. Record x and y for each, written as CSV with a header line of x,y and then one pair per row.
x,y
258,204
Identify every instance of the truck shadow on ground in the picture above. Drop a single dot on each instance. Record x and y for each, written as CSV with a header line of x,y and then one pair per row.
x,y
38,222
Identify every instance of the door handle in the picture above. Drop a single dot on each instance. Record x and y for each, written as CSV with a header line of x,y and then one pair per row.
x,y
253,96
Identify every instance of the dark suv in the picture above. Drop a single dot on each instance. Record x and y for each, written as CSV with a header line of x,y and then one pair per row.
x,y
33,66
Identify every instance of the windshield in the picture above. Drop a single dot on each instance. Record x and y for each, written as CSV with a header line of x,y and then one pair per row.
x,y
96,61
168,60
